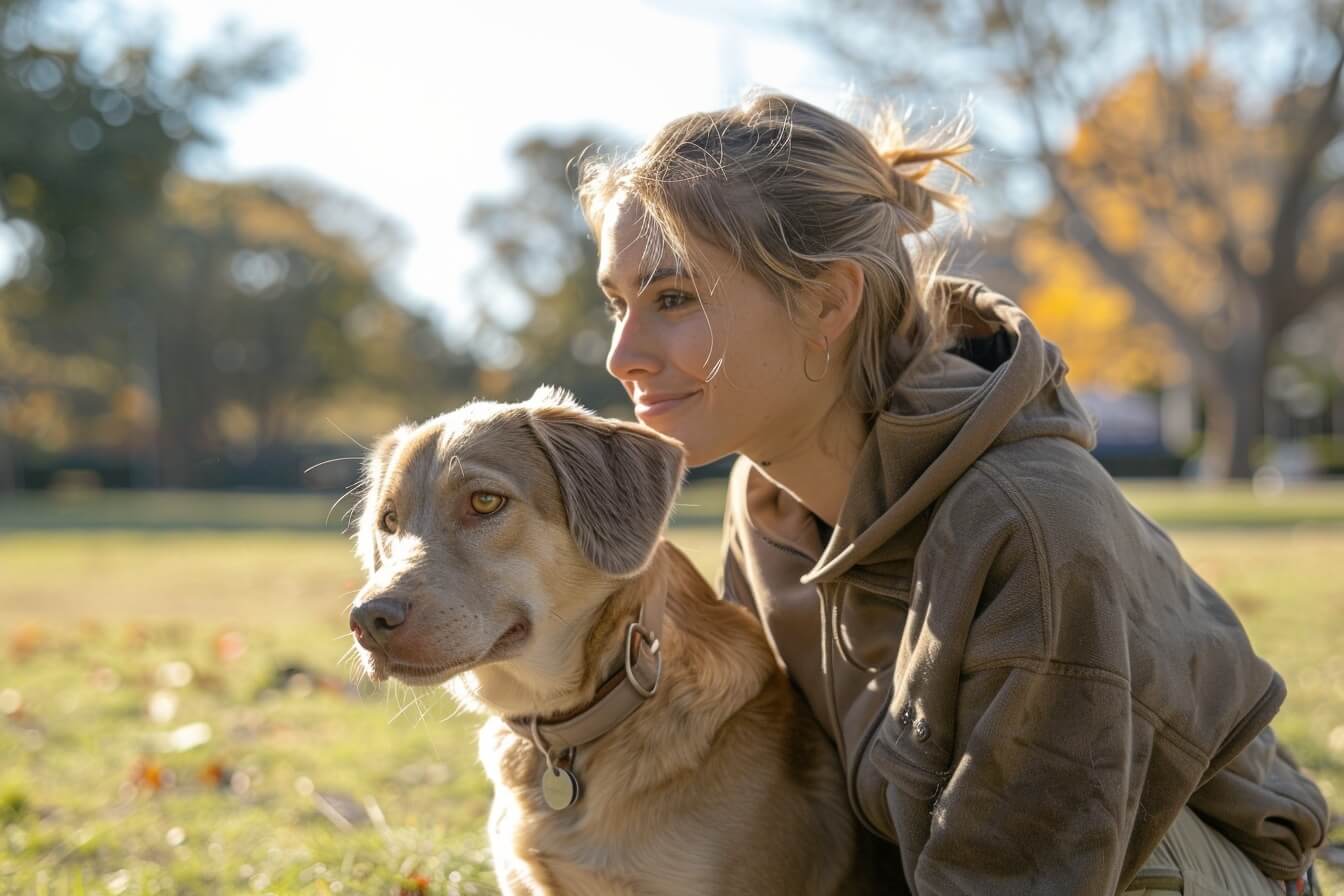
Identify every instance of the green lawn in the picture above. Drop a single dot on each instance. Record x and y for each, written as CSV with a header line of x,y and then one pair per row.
x,y
1176,505
258,766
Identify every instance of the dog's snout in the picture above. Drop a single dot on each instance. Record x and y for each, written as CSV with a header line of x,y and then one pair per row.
x,y
378,618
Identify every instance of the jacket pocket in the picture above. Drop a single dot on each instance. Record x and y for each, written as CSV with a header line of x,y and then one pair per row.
x,y
870,796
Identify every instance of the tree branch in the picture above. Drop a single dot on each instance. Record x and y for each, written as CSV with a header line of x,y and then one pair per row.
x,y
1331,283
1123,273
1324,127
1118,269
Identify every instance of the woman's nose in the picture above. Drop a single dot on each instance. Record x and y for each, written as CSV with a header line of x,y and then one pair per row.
x,y
633,352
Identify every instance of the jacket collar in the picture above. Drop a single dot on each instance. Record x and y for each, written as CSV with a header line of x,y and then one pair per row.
x,y
944,414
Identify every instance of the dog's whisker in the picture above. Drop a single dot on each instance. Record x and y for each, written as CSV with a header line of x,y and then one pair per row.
x,y
420,710
346,434
329,461
338,500
399,713
458,709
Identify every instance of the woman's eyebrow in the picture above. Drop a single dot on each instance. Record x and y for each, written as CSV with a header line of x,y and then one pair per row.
x,y
645,280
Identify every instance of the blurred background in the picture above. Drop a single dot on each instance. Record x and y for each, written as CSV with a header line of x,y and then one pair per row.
x,y
240,240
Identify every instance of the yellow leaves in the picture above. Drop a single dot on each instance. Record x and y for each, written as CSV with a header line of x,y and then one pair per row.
x,y
1323,238
1255,255
135,405
260,217
1129,110
237,423
1087,317
1166,169
1035,248
1184,275
42,417
1198,224
1159,192
1117,217
1086,149
1250,204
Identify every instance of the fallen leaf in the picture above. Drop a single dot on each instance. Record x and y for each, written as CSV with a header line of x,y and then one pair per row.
x,y
230,646
148,774
414,885
26,639
216,774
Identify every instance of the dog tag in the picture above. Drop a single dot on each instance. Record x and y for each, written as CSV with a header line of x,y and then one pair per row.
x,y
559,788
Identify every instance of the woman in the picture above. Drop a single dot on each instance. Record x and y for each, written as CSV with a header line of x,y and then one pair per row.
x,y
1029,690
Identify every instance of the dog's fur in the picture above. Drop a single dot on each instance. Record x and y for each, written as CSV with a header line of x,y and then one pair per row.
x,y
720,783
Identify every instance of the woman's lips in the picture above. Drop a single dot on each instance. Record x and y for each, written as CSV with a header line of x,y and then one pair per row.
x,y
657,405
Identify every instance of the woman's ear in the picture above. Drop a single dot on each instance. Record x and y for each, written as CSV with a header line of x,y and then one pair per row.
x,y
839,291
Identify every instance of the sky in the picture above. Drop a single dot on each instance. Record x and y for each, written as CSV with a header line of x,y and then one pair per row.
x,y
438,94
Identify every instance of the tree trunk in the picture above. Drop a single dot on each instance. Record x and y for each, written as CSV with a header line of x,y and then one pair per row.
x,y
1234,411
9,473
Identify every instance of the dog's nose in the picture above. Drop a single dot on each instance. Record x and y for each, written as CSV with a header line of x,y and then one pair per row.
x,y
376,619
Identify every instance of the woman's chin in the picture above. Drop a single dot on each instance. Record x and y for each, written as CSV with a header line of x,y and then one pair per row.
x,y
698,451
697,456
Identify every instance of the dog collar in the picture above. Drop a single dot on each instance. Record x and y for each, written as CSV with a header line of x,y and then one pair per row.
x,y
618,697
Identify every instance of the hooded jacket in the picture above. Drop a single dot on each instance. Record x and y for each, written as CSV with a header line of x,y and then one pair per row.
x,y
1024,680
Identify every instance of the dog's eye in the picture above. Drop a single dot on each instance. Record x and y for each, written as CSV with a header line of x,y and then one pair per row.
x,y
388,521
486,503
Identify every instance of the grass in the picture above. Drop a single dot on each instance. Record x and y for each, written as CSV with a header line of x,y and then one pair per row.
x,y
1173,504
301,782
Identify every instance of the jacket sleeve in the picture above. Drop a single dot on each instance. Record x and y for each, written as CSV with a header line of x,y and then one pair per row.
x,y
1040,795
1267,807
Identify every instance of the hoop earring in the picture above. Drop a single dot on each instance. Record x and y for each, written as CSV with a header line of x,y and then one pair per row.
x,y
822,375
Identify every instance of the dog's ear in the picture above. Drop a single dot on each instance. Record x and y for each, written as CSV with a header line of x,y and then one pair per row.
x,y
617,480
371,500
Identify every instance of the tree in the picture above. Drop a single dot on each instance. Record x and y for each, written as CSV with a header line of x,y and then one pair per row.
x,y
1204,188
543,318
160,314
258,312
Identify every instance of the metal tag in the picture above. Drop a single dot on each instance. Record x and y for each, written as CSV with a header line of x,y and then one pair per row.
x,y
559,788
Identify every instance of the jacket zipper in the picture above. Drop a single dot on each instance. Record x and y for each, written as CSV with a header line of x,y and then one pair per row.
x,y
827,661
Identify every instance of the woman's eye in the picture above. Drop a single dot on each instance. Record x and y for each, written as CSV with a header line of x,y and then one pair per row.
x,y
388,521
615,309
486,503
668,301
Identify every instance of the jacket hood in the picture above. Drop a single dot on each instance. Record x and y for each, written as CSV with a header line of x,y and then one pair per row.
x,y
1002,383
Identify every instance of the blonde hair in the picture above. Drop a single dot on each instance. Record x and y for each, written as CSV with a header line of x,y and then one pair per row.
x,y
788,188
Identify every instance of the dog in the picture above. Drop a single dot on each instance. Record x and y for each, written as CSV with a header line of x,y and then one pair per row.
x,y
641,737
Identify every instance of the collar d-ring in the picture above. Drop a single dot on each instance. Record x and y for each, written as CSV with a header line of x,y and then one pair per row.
x,y
655,650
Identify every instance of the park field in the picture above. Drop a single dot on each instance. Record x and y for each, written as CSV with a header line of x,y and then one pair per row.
x,y
179,714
